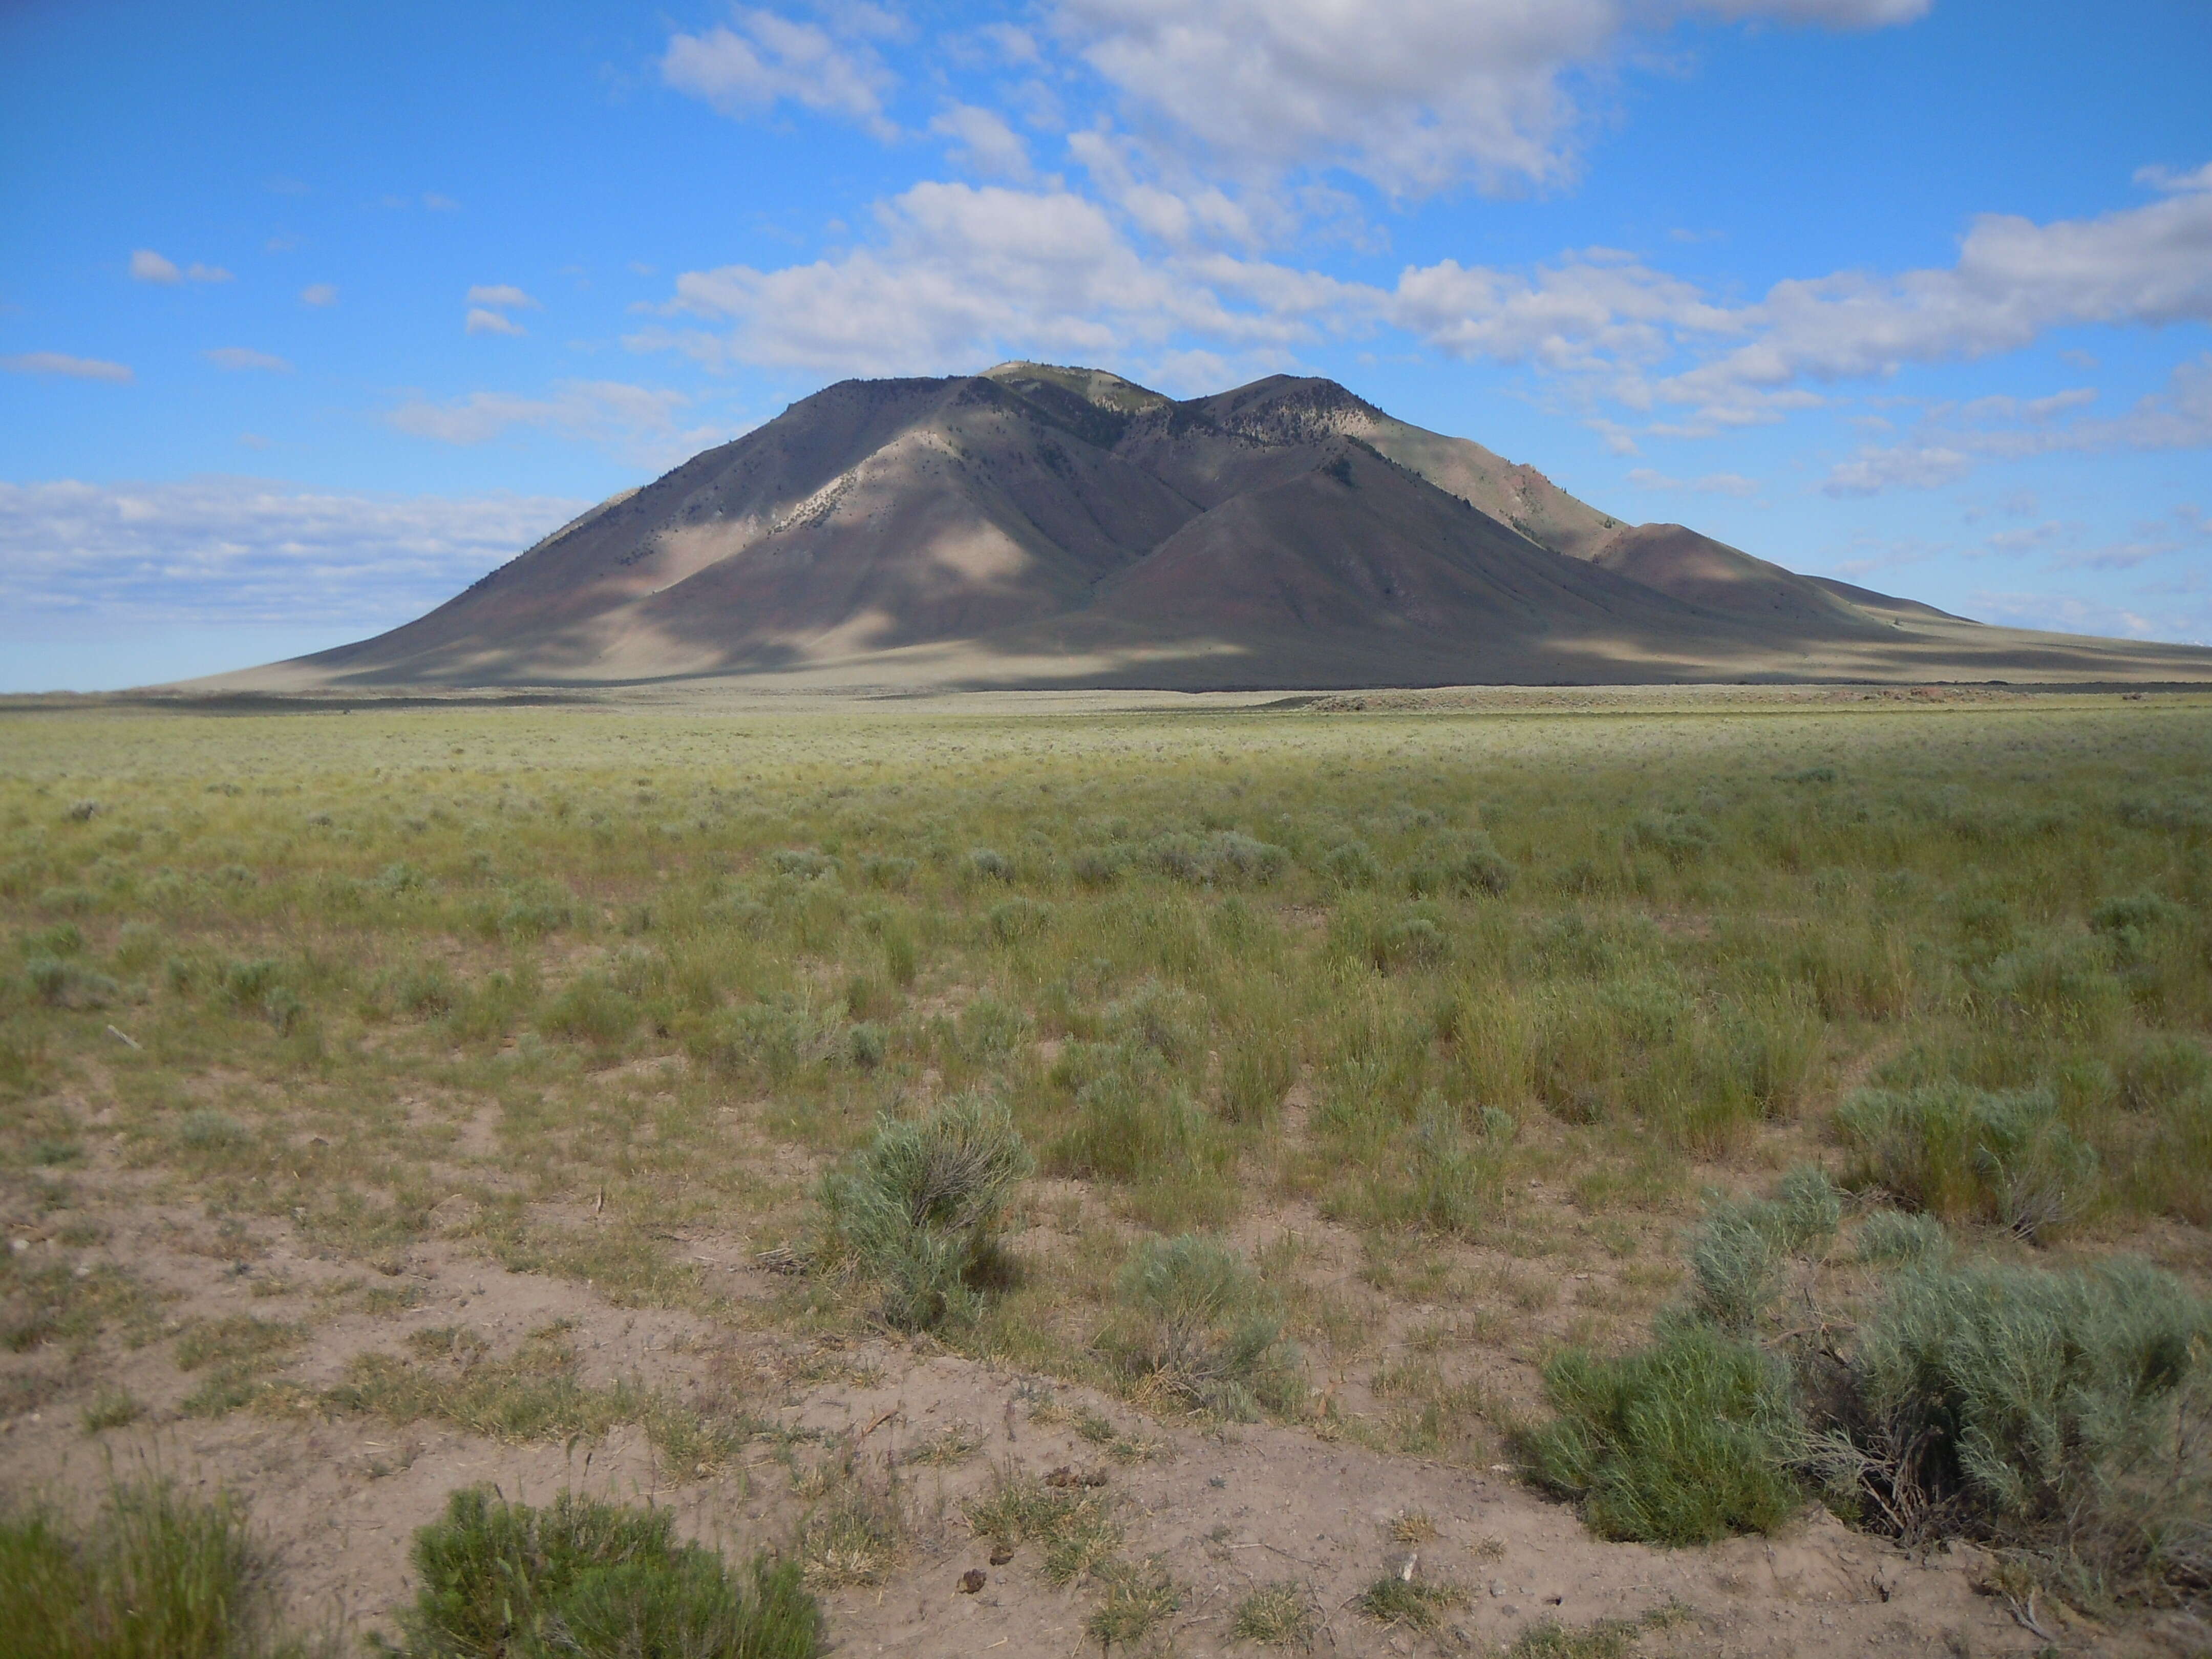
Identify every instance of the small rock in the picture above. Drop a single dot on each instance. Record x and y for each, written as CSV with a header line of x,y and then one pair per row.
x,y
1001,1557
971,1581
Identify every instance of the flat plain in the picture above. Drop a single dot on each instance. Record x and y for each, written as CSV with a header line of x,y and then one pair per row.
x,y
395,1098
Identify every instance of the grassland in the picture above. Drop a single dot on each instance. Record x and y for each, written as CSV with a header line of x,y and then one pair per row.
x,y
1445,1023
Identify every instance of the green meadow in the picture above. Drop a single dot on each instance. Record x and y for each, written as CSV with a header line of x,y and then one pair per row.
x,y
1529,1004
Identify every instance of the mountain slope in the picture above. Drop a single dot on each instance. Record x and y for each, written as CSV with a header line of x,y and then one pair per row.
x,y
1038,525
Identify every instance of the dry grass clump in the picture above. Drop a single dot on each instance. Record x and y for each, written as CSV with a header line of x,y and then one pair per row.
x,y
1073,1526
1196,1325
1417,1603
1276,1615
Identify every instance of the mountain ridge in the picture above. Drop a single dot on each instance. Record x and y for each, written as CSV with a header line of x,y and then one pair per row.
x,y
1043,524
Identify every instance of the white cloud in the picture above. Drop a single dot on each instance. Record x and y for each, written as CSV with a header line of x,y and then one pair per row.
x,y
437,203
1415,96
636,424
244,550
1712,484
236,357
983,143
480,321
2006,429
766,59
964,273
2066,613
148,266
1914,466
60,363
319,294
956,274
504,294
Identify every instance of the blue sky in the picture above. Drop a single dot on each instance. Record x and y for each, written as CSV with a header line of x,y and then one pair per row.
x,y
308,315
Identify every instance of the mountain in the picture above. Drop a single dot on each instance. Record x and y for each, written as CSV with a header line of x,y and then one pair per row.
x,y
1037,526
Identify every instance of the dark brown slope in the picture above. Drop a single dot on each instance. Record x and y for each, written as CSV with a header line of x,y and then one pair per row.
x,y
1676,561
1043,526
877,514
1290,409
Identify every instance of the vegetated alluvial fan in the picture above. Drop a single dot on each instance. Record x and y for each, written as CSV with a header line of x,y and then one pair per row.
x,y
1039,526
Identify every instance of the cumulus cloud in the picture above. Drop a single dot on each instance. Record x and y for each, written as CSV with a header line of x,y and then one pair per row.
x,y
636,424
148,266
504,296
246,551
983,143
481,321
1414,95
954,273
75,369
237,357
963,273
319,294
761,59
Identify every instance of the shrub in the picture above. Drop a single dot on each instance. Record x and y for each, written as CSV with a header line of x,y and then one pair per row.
x,y
2057,985
1466,864
1099,867
1016,920
1456,1177
1743,1253
2056,1413
1681,838
1196,1322
762,1039
1222,858
986,864
49,978
63,939
248,982
1898,1236
1129,1128
589,1010
2160,1070
580,1577
1962,1152
990,1027
1352,864
892,874
1684,1441
917,1210
2126,923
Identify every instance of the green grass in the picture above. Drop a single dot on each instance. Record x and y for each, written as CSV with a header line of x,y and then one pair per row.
x,y
1276,1615
1684,1441
1419,1604
632,984
601,1581
155,1574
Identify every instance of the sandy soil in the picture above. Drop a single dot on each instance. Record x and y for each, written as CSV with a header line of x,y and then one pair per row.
x,y
1224,1511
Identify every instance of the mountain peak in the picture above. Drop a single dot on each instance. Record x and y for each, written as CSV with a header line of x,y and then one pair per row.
x,y
1042,524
